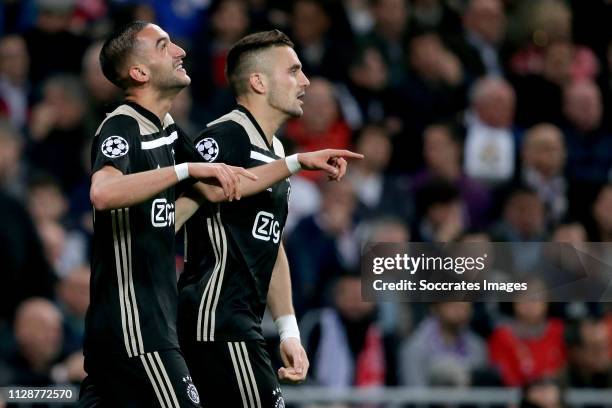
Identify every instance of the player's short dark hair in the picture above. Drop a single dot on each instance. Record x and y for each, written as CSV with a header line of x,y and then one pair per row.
x,y
117,49
242,52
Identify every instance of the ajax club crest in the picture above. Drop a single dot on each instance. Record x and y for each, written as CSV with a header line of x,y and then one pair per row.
x,y
192,392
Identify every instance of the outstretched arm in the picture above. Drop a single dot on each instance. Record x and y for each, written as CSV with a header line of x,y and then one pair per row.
x,y
110,188
331,161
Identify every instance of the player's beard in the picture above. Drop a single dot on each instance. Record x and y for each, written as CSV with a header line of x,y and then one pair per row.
x,y
282,101
170,81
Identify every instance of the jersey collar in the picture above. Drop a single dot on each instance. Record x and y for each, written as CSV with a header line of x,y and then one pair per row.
x,y
146,113
252,119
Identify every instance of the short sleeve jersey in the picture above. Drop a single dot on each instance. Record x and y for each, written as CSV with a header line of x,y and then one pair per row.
x,y
133,285
231,247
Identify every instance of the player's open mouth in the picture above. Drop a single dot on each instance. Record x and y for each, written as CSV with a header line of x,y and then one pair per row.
x,y
179,67
300,97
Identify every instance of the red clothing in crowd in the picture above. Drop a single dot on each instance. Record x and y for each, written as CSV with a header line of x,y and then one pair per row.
x,y
337,136
521,360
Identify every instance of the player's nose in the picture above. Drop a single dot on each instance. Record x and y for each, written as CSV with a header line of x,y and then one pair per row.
x,y
305,82
178,51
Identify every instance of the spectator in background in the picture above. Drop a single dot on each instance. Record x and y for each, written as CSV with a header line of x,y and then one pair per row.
x,y
304,200
358,15
523,217
601,214
589,360
442,350
12,167
181,19
51,33
229,21
14,85
532,27
442,153
60,131
543,393
45,200
435,15
484,27
540,93
65,247
543,160
322,125
332,246
570,232
529,346
433,89
589,145
122,13
320,53
181,112
394,318
440,213
550,51
523,220
347,346
25,271
490,142
102,93
73,297
563,268
40,358
389,35
368,85
378,193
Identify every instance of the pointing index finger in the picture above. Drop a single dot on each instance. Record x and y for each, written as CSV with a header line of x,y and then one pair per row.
x,y
345,153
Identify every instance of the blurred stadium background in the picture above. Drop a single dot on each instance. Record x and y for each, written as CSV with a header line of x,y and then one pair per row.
x,y
481,120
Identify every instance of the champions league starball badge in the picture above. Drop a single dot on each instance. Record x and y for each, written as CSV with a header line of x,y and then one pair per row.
x,y
114,146
208,149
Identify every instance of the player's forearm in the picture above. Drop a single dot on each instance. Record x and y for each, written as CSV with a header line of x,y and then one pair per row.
x,y
279,299
184,208
127,190
268,175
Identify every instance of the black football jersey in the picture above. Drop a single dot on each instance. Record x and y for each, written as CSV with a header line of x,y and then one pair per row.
x,y
133,283
231,247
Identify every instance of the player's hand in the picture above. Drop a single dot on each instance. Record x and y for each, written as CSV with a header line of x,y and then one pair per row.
x,y
331,161
227,177
295,361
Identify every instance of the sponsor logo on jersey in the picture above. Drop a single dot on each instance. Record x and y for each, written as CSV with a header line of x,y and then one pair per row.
x,y
266,227
208,149
114,146
162,213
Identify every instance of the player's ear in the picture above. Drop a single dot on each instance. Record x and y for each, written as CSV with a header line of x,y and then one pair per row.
x,y
258,82
139,73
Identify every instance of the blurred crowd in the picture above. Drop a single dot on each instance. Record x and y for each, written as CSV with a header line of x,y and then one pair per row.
x,y
480,120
